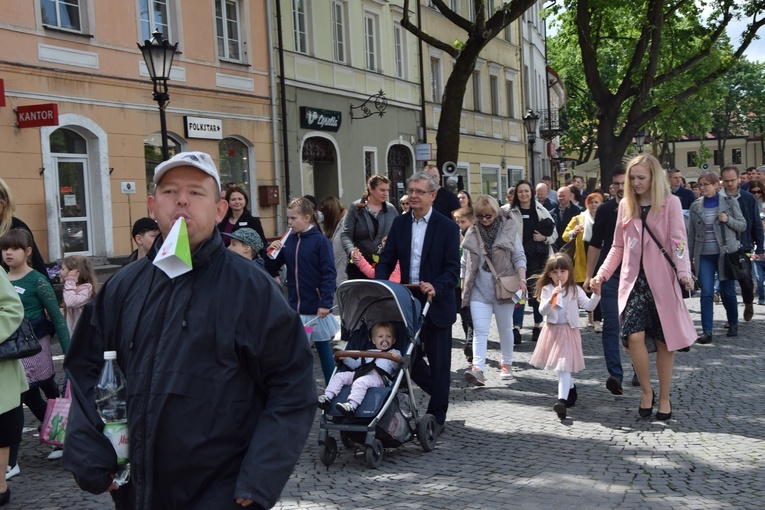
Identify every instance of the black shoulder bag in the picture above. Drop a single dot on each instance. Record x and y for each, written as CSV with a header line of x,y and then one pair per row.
x,y
21,344
736,265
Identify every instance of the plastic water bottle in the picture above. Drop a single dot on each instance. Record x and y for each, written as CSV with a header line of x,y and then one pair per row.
x,y
110,400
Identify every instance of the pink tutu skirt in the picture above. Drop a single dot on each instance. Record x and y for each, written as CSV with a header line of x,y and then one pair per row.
x,y
559,348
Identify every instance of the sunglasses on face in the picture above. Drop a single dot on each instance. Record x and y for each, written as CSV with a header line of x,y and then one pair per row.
x,y
484,216
756,191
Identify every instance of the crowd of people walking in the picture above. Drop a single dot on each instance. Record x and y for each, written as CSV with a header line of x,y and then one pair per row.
x,y
559,250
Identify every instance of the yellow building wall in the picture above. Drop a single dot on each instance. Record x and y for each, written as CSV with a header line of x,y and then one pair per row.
x,y
117,98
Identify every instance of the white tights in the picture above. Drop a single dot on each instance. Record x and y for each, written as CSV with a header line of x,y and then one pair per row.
x,y
565,383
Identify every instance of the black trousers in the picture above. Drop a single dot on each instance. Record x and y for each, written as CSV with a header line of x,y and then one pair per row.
x,y
434,377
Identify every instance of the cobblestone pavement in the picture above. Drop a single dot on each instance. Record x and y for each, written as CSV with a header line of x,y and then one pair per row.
x,y
505,448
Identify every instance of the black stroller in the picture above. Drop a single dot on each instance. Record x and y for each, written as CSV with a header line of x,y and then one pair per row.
x,y
388,417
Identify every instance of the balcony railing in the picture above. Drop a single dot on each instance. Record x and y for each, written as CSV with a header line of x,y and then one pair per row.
x,y
552,123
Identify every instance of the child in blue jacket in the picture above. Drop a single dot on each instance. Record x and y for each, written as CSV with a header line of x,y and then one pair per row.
x,y
310,277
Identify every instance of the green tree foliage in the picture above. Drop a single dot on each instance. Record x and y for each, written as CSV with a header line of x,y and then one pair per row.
x,y
464,50
644,64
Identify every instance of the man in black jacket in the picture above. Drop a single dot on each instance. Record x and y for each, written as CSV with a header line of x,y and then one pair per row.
x,y
751,237
220,385
600,245
685,195
564,213
445,202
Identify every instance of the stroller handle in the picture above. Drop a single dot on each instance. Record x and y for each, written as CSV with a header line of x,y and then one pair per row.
x,y
367,354
415,288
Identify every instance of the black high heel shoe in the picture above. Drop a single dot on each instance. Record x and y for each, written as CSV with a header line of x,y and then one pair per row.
x,y
645,412
664,416
5,497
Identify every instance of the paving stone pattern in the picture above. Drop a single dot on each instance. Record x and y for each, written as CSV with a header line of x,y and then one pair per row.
x,y
504,447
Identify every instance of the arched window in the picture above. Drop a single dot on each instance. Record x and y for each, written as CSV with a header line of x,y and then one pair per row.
x,y
66,141
234,162
152,152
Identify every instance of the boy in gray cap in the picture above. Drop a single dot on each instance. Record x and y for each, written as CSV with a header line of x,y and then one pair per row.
x,y
247,243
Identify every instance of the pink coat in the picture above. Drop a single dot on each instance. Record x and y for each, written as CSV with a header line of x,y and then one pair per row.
x,y
630,242
75,298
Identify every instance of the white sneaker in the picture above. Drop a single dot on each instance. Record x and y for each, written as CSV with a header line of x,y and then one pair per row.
x,y
56,454
506,374
10,472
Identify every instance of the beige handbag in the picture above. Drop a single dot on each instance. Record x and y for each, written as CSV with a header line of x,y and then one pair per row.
x,y
505,287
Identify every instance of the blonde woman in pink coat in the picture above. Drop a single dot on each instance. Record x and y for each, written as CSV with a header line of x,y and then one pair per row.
x,y
652,312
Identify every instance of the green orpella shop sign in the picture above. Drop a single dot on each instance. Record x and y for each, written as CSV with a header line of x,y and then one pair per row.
x,y
319,119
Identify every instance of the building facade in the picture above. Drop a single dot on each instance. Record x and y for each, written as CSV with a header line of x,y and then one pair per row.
x,y
352,92
493,144
80,181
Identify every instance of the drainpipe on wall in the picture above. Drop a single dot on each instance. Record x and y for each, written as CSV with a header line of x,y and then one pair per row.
x,y
283,93
272,86
423,122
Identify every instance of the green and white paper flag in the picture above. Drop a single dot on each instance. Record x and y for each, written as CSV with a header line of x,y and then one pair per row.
x,y
174,257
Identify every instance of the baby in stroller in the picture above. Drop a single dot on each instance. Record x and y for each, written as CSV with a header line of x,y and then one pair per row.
x,y
364,373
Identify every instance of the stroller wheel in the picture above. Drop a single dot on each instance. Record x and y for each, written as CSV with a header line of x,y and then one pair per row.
x,y
374,454
345,438
328,451
427,432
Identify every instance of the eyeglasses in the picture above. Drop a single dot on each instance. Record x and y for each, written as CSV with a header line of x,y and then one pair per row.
x,y
756,191
419,192
484,216
705,184
404,203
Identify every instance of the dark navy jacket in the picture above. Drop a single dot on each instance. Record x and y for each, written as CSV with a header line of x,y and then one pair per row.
x,y
439,266
753,234
311,270
685,195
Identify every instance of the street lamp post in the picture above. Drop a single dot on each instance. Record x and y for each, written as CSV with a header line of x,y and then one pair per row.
x,y
639,141
531,120
158,54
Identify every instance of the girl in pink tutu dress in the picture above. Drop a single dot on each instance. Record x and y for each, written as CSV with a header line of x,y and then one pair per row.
x,y
560,344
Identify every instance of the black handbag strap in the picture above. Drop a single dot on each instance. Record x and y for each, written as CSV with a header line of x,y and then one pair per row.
x,y
661,248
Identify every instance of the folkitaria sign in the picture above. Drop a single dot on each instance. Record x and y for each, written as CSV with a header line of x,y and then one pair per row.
x,y
37,115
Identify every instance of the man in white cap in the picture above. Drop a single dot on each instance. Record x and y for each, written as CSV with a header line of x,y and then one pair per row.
x,y
220,384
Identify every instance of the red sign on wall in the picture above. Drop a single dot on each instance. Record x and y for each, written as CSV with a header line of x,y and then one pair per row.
x,y
37,115
2,93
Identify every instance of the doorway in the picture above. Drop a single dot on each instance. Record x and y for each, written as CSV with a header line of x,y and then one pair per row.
x,y
398,162
319,165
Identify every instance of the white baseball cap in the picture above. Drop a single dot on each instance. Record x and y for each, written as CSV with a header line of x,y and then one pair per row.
x,y
196,159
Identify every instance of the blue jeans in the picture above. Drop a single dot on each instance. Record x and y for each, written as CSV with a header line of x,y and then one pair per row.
x,y
519,311
707,270
759,276
609,305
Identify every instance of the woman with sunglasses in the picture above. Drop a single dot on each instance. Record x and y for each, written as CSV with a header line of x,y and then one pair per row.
x,y
491,245
757,188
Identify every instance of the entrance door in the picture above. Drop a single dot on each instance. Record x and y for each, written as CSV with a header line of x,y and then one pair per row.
x,y
398,163
74,206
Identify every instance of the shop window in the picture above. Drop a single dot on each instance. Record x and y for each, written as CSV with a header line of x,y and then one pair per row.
x,y
152,153
234,163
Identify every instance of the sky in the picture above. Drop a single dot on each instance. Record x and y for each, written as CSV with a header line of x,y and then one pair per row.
x,y
756,49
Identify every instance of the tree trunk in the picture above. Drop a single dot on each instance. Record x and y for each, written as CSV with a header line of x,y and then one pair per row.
x,y
448,134
611,148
